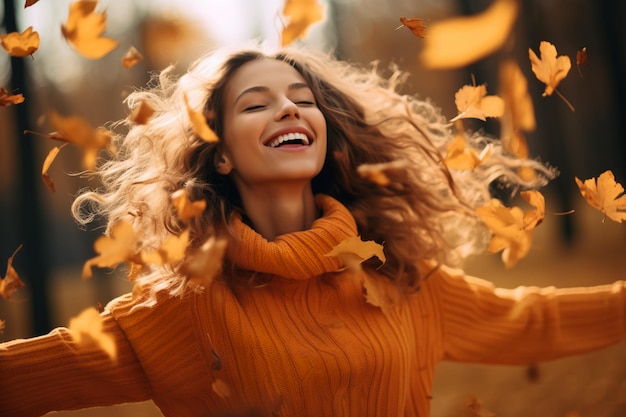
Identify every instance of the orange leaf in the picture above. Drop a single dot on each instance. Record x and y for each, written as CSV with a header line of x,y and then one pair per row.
x,y
6,99
415,25
84,28
581,60
353,251
472,102
199,124
206,262
185,208
605,195
46,165
459,41
462,157
119,247
550,69
30,3
301,14
20,44
376,173
86,330
141,114
512,228
11,282
132,57
170,252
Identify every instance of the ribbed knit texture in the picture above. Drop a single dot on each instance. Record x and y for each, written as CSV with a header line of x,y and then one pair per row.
x,y
306,343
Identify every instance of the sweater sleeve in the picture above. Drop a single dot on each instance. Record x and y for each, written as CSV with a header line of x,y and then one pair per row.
x,y
483,324
52,373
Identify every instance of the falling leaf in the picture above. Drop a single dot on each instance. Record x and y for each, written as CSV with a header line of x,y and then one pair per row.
x,y
11,282
415,25
87,330
460,156
83,30
7,99
459,41
185,208
605,195
170,252
199,124
550,69
581,60
512,228
113,250
30,3
141,114
472,102
132,57
376,173
353,252
20,44
204,264
46,165
74,129
220,388
301,15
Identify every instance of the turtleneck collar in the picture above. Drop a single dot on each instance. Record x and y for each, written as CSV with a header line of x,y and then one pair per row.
x,y
298,255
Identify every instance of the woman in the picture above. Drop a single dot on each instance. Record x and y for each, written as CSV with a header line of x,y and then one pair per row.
x,y
285,329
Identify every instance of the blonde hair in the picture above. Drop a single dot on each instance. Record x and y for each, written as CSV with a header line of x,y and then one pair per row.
x,y
426,212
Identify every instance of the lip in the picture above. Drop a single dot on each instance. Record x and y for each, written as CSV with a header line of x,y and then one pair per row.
x,y
291,129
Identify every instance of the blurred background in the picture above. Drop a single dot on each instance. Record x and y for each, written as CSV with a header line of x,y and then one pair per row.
x,y
569,250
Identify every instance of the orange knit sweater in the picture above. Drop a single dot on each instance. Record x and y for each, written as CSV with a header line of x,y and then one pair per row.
x,y
307,343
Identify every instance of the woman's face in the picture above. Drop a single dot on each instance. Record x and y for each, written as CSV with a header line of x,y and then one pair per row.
x,y
273,130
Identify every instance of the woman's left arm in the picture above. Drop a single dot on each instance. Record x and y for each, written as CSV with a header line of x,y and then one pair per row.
x,y
484,324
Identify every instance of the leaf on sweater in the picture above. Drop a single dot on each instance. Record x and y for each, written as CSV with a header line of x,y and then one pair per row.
x,y
456,42
120,246
131,58
21,44
171,251
199,124
87,330
11,282
512,228
7,99
472,102
185,208
415,25
301,15
221,388
141,114
205,262
377,173
353,252
605,195
83,30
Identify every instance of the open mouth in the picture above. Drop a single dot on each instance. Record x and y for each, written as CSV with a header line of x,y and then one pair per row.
x,y
289,139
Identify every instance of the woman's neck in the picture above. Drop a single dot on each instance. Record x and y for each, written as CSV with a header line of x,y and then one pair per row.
x,y
275,211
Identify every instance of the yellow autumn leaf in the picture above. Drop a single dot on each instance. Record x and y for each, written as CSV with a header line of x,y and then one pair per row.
x,y
549,69
7,99
84,28
205,262
21,44
132,57
120,246
377,173
141,114
11,282
472,102
460,156
456,42
199,123
46,166
87,330
301,14
353,251
185,208
605,195
171,251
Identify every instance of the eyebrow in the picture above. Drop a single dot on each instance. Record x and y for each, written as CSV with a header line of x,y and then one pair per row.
x,y
263,89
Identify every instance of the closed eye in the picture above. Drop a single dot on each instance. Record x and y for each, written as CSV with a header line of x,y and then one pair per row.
x,y
254,107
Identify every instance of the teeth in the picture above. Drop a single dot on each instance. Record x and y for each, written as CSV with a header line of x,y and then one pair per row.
x,y
288,136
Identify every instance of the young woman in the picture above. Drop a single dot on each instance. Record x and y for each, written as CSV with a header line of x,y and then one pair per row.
x,y
284,329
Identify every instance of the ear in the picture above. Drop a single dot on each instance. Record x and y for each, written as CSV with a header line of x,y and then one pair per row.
x,y
223,164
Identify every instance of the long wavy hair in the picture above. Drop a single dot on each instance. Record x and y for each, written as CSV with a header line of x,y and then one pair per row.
x,y
425,212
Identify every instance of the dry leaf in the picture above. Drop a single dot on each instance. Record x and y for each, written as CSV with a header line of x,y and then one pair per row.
x,y
171,251
353,252
376,173
472,102
83,30
550,69
120,247
512,228
460,156
141,114
185,208
301,15
220,388
86,330
46,165
581,60
199,124
415,25
74,129
30,3
606,195
11,282
204,264
7,99
20,44
459,41
132,57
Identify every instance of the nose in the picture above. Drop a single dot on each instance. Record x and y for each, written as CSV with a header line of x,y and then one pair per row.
x,y
288,110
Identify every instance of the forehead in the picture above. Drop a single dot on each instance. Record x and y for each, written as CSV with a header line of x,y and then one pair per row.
x,y
264,72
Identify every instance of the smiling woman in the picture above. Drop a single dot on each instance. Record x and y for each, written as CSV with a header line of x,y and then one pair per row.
x,y
287,322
